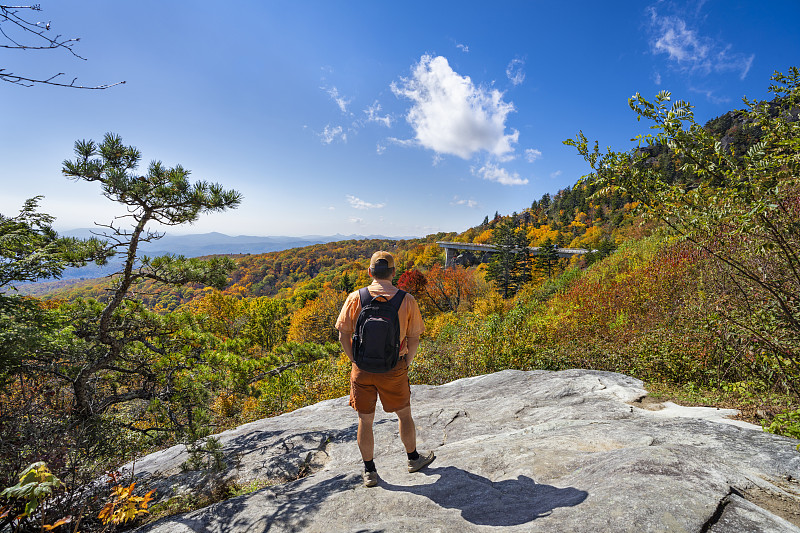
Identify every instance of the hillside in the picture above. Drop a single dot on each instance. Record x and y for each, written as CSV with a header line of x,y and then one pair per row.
x,y
692,290
193,245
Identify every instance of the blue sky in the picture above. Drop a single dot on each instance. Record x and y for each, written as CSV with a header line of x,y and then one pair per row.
x,y
363,117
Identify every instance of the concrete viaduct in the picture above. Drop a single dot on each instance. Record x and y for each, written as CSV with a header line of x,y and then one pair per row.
x,y
451,250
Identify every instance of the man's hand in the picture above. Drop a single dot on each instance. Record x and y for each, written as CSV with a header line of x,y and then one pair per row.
x,y
413,344
346,340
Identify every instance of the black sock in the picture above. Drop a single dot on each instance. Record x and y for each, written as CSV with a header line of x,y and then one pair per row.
x,y
413,456
369,466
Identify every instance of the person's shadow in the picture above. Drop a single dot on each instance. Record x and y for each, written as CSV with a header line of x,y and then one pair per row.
x,y
492,503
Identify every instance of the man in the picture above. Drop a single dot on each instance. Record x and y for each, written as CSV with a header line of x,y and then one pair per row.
x,y
392,386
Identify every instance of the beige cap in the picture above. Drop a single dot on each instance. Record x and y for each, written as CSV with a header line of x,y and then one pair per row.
x,y
378,256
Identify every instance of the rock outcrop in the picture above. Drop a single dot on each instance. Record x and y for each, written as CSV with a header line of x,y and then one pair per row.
x,y
526,451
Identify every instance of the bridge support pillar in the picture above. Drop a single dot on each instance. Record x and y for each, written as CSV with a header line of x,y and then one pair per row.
x,y
449,257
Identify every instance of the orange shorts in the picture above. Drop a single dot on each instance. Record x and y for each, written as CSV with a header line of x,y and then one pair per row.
x,y
392,387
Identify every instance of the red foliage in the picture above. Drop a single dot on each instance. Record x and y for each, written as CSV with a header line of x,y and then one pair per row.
x,y
447,288
413,281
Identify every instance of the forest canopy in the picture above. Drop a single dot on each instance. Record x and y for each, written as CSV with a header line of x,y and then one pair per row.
x,y
691,284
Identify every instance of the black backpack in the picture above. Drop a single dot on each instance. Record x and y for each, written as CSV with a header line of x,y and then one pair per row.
x,y
376,341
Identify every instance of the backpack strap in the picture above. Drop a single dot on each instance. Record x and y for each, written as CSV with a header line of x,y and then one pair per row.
x,y
364,296
396,301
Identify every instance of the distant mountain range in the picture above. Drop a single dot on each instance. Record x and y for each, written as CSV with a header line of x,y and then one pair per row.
x,y
197,245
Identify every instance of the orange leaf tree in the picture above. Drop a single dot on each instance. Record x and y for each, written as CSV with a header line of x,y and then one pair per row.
x,y
448,288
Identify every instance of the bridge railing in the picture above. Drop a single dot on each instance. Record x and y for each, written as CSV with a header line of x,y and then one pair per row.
x,y
452,248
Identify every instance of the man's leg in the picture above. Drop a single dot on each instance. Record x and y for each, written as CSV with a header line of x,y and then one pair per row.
x,y
408,431
364,436
408,434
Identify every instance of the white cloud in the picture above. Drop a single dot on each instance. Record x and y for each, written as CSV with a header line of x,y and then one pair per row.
x,y
401,142
331,208
692,52
358,203
463,47
500,175
467,203
657,78
532,154
329,134
711,96
356,220
372,115
333,92
746,64
514,71
680,43
379,149
450,115
555,174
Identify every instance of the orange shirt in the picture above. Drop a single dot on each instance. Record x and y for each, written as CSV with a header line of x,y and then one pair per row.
x,y
411,325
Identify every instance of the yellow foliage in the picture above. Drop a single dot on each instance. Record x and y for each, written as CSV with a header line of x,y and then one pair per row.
x,y
577,224
316,321
467,236
489,304
224,313
226,405
537,236
124,506
591,239
433,254
580,219
435,325
250,406
261,320
36,484
484,238
56,524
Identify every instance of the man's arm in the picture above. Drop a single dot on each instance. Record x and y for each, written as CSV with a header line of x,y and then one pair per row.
x,y
346,340
412,344
415,328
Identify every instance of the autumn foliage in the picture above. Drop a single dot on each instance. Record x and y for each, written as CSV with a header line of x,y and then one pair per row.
x,y
413,281
123,505
448,289
704,300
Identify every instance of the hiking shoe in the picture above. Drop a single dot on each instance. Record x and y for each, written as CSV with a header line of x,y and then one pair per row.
x,y
370,479
420,462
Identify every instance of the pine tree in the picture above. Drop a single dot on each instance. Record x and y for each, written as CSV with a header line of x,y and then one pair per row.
x,y
510,266
119,337
546,258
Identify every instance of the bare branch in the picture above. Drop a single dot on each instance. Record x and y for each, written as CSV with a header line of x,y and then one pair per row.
x,y
9,14
29,35
30,82
273,372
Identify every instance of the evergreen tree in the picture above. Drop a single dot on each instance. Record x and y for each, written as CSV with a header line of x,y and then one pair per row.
x,y
31,250
118,343
545,202
510,265
546,258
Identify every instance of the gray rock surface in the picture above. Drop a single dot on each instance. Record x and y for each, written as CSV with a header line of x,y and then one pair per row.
x,y
522,451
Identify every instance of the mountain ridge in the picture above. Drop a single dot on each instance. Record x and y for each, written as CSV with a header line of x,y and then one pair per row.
x,y
205,244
